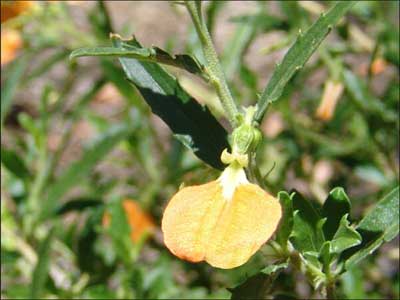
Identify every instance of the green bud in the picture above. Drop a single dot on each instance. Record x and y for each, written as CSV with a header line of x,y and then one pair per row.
x,y
246,137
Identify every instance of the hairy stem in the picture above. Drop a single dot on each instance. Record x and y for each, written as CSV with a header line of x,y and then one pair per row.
x,y
213,68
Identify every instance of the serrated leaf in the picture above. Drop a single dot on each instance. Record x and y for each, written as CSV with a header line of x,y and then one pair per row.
x,y
14,164
307,234
335,206
40,273
345,237
286,225
298,55
183,114
153,54
80,169
378,226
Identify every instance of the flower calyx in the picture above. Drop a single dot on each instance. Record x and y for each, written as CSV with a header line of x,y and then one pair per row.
x,y
246,137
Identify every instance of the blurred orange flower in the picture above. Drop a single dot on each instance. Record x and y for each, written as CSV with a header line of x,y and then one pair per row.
x,y
11,42
332,92
11,9
140,222
223,222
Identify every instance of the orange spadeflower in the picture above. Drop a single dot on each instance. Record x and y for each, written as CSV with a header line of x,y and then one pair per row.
x,y
11,42
223,222
139,221
332,92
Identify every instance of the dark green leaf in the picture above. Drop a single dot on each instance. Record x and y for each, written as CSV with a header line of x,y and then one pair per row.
x,y
286,225
12,77
380,225
41,271
345,237
335,206
307,234
82,167
153,54
188,120
262,21
298,55
255,287
78,205
14,164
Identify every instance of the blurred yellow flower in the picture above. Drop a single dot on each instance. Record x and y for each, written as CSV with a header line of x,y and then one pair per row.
x,y
11,42
223,222
140,222
332,92
11,9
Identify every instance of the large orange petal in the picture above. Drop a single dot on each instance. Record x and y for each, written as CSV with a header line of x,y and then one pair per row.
x,y
247,221
189,218
200,224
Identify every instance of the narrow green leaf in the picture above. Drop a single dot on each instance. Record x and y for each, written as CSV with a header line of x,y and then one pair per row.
x,y
307,234
12,77
78,204
380,225
120,232
360,94
41,271
335,206
262,21
100,20
153,54
82,167
14,164
298,55
190,121
345,237
286,225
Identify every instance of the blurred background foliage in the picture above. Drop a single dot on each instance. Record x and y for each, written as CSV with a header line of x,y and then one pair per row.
x,y
86,168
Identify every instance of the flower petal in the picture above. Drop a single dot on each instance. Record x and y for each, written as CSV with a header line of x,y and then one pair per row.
x,y
245,224
188,220
200,224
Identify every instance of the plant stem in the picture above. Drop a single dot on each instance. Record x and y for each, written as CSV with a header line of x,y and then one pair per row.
x,y
330,290
213,68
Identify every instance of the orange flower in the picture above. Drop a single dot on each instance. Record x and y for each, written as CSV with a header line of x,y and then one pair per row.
x,y
11,9
332,92
223,222
139,221
11,42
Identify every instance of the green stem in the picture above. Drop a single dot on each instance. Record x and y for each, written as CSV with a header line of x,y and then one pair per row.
x,y
214,69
